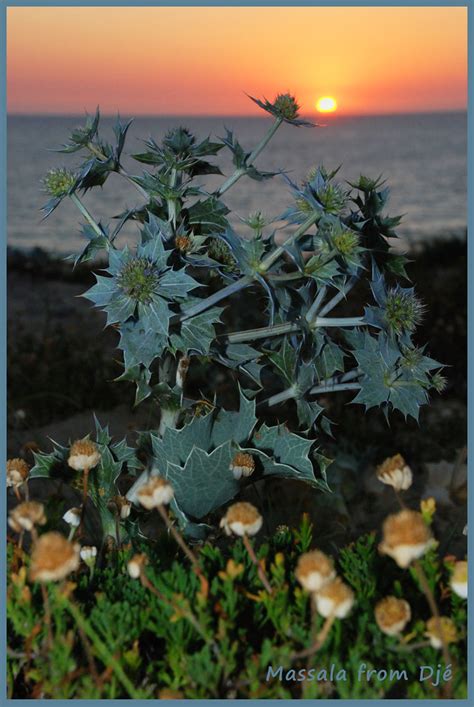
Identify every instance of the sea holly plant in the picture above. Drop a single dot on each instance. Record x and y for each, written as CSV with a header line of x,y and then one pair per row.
x,y
175,300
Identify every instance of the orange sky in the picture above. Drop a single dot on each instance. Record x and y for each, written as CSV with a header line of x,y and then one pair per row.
x,y
202,60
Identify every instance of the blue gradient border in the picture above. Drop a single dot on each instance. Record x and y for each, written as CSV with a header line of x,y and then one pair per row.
x,y
4,5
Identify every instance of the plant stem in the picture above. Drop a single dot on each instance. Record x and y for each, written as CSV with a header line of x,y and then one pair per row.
x,y
330,385
260,570
340,295
313,310
319,389
251,334
435,611
184,547
320,639
47,617
97,229
251,159
216,297
278,252
85,485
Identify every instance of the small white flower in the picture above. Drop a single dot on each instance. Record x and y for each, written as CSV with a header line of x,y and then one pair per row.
x,y
459,579
88,554
84,454
242,519
136,564
396,473
73,517
334,599
156,492
314,570
242,465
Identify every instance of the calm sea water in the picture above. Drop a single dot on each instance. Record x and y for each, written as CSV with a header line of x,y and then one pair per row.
x,y
423,158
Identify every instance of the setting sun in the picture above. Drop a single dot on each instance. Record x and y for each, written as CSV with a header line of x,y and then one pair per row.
x,y
326,104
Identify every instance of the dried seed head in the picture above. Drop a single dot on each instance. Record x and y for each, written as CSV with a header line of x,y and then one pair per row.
x,y
396,473
156,492
73,517
83,454
26,515
59,182
314,570
459,579
88,553
334,599
441,632
286,106
17,472
136,565
242,465
242,519
405,537
392,615
53,558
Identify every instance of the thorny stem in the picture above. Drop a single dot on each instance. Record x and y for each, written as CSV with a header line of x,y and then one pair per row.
x,y
291,327
278,252
435,611
340,295
170,202
216,297
313,310
330,385
184,547
251,159
97,229
258,565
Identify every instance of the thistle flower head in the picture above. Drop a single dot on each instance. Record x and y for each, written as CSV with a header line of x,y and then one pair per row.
x,y
84,454
332,197
242,519
17,472
346,242
156,492
26,515
136,565
183,243
314,570
242,465
459,579
220,251
405,537
439,382
442,631
73,517
403,310
285,106
392,615
59,182
303,205
53,558
139,279
256,221
334,599
396,473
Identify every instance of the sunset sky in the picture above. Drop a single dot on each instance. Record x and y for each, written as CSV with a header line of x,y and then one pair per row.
x,y
153,60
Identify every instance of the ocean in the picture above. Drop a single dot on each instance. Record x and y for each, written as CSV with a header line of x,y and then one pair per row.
x,y
422,157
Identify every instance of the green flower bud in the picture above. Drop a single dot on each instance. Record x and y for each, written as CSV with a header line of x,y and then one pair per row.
x,y
304,206
286,106
139,279
332,197
256,221
220,251
59,182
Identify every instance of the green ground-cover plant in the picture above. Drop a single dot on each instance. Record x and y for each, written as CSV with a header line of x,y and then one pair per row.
x,y
167,298
117,637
